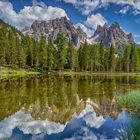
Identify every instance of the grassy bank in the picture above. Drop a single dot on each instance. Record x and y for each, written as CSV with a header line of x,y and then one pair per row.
x,y
130,100
8,72
98,73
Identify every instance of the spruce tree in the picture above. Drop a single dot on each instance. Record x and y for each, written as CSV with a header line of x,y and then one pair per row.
x,y
106,59
51,57
71,56
85,56
134,62
112,59
43,52
3,46
101,58
61,52
126,59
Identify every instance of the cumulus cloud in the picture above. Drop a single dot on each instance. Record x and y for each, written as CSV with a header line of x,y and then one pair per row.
x,y
87,30
28,125
25,17
95,20
124,10
136,12
91,118
87,6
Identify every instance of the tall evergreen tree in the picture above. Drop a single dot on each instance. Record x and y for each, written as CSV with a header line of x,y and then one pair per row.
x,y
134,62
126,59
61,52
85,56
96,57
3,46
11,53
101,58
112,59
106,59
71,56
35,53
51,57
43,52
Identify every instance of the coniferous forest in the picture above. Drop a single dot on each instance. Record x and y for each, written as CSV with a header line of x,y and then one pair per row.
x,y
19,51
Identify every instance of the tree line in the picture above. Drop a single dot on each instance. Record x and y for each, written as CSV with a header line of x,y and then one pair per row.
x,y
25,52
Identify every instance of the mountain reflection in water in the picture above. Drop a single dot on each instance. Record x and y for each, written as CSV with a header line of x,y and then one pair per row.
x,y
86,125
57,107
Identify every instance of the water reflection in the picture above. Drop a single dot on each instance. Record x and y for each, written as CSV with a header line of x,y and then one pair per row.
x,y
58,97
86,125
61,100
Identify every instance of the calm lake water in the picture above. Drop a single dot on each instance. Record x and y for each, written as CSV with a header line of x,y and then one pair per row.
x,y
64,107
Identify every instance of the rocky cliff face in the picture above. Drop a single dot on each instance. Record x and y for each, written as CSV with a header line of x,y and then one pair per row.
x,y
112,35
52,28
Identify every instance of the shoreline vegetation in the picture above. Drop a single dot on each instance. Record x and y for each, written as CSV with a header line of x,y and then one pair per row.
x,y
6,72
130,100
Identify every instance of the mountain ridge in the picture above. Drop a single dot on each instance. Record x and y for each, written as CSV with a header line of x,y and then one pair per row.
x,y
106,35
52,28
111,35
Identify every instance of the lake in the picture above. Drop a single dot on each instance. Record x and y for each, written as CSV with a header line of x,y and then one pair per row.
x,y
58,107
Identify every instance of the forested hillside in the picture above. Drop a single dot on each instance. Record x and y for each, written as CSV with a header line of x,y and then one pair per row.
x,y
19,51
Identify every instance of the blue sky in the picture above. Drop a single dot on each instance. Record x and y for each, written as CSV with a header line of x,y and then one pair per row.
x,y
88,13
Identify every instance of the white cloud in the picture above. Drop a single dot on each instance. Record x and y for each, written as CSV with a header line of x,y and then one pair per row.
x,y
87,6
28,125
124,10
95,20
90,117
87,30
136,12
25,17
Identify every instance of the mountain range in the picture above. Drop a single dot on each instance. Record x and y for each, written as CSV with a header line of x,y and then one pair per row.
x,y
113,35
52,28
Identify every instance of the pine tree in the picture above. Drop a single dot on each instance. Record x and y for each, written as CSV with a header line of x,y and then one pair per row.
x,y
126,59
106,60
119,63
30,52
96,57
134,63
35,54
112,59
71,56
76,63
43,52
3,46
21,56
101,58
61,52
80,60
51,57
12,50
85,56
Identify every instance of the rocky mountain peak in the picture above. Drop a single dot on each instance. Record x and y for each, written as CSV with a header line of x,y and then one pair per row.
x,y
105,26
130,37
115,25
52,28
112,35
